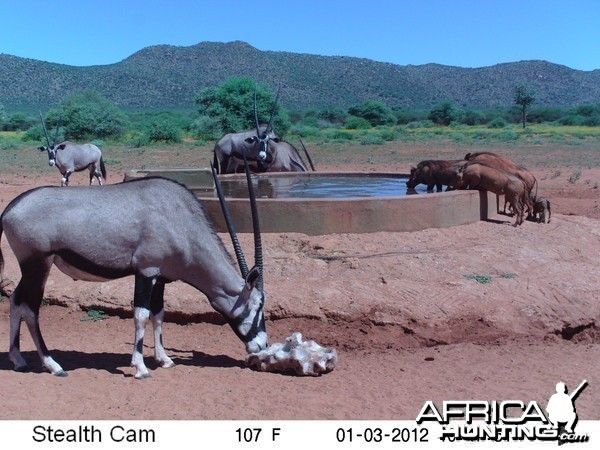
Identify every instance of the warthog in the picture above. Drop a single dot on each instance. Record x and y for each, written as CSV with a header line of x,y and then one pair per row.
x,y
541,205
497,181
433,172
507,165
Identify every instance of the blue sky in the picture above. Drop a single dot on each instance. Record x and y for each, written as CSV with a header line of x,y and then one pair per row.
x,y
466,33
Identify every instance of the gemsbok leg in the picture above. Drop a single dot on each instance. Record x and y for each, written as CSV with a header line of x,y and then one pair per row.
x,y
148,302
25,304
94,172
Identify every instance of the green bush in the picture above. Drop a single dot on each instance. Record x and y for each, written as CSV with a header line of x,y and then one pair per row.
x,y
375,112
305,130
420,124
471,117
444,113
35,133
498,122
206,127
388,134
371,138
87,115
232,105
3,115
356,123
163,131
336,135
332,115
138,139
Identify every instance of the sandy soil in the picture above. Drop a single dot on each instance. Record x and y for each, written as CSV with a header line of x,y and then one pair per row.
x,y
406,312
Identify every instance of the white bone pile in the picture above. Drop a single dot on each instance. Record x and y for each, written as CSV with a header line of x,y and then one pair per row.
x,y
295,355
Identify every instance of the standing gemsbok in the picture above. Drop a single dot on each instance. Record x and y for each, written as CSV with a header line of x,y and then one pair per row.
x,y
69,157
152,228
231,149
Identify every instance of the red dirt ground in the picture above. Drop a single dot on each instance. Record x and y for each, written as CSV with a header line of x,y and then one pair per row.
x,y
409,323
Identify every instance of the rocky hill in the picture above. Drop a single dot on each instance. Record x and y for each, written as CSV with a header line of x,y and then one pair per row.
x,y
170,77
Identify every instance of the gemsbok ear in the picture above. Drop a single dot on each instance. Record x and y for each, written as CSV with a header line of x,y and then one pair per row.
x,y
252,278
42,149
250,140
62,146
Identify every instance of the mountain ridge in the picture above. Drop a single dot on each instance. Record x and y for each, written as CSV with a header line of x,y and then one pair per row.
x,y
168,76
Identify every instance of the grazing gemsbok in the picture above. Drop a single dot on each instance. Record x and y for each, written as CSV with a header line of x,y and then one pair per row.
x,y
230,150
69,157
152,228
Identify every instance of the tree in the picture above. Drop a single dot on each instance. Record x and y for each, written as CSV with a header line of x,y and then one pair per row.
x,y
523,98
374,111
88,115
2,115
231,106
444,113
17,122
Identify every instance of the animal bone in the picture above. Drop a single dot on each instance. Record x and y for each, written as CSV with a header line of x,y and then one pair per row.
x,y
295,355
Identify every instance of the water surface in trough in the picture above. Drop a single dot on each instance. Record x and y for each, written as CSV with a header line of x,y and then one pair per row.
x,y
320,186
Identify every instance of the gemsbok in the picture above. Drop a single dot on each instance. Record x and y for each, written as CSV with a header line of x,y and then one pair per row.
x,y
152,228
69,157
231,149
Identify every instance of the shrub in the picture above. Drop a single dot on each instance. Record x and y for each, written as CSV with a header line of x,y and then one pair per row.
x,y
304,130
3,116
232,105
371,139
163,131
498,122
206,127
332,115
444,114
138,139
388,135
356,123
88,115
471,117
375,112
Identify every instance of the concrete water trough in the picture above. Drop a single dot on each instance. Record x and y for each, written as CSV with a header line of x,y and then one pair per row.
x,y
317,203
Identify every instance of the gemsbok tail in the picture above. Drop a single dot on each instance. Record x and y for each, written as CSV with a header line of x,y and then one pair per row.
x,y
2,290
102,168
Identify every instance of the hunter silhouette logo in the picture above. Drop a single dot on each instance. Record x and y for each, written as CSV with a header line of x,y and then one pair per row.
x,y
508,420
561,410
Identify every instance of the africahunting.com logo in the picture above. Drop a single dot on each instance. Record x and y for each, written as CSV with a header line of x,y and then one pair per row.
x,y
508,420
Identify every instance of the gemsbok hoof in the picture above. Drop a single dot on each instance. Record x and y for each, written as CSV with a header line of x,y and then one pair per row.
x,y
167,365
142,376
62,373
22,369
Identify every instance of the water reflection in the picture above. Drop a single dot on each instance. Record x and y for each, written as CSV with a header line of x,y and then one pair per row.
x,y
320,186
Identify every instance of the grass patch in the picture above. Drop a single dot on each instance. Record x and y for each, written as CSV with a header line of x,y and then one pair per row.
x,y
575,176
94,315
481,279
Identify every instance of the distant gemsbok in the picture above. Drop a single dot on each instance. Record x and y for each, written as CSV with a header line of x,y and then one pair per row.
x,y
128,229
232,148
69,157
262,149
